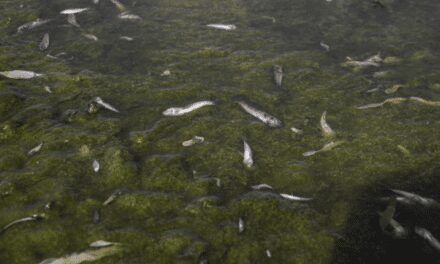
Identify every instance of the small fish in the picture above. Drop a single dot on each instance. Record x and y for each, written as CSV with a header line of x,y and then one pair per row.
x,y
423,101
388,214
90,36
74,11
218,182
20,75
294,198
373,61
262,116
194,140
247,155
404,150
166,73
277,75
240,225
327,131
71,19
268,254
34,217
326,147
129,16
126,38
32,25
99,101
44,42
101,243
428,237
112,197
35,149
393,88
415,198
262,186
178,111
395,100
95,166
296,130
324,46
222,26
118,4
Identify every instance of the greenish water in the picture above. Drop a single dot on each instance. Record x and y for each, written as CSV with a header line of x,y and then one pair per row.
x,y
171,210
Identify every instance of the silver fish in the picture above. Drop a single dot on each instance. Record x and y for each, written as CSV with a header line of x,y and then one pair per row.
x,y
112,197
99,101
428,236
101,243
44,42
166,73
74,11
326,147
262,116
278,75
86,256
296,130
218,182
240,225
222,26
20,75
415,198
126,38
247,155
327,131
396,100
178,111
262,186
194,140
373,61
294,198
23,220
423,101
71,19
129,16
268,254
90,36
118,4
35,149
32,25
324,46
95,166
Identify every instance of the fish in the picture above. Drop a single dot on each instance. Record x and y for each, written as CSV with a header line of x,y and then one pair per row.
x,y
99,101
129,16
423,101
96,2
73,11
86,256
240,225
395,100
218,182
34,217
95,166
387,214
31,25
424,233
324,46
35,149
296,130
90,36
126,38
262,186
262,116
327,131
373,61
48,89
277,75
44,44
247,155
166,73
326,147
20,74
404,150
101,243
178,111
118,5
71,19
112,197
393,88
268,253
294,198
417,199
227,27
194,140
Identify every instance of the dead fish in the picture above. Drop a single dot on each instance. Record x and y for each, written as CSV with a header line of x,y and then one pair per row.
x,y
118,4
90,36
194,140
373,61
178,111
268,254
112,197
129,16
393,88
262,116
95,166
86,256
73,11
395,100
247,155
423,101
424,233
20,75
240,225
296,130
415,198
324,46
32,25
126,38
71,19
99,101
262,186
44,44
35,149
327,131
34,217
222,26
278,75
101,243
294,198
326,147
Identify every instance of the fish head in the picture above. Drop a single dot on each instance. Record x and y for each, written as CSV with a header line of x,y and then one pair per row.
x,y
171,112
277,68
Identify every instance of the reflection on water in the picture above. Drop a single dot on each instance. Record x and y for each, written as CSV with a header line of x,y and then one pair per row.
x,y
111,166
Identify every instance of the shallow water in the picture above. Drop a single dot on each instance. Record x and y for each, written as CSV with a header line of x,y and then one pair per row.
x,y
171,208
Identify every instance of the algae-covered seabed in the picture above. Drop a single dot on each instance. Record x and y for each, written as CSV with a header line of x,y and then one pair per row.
x,y
171,210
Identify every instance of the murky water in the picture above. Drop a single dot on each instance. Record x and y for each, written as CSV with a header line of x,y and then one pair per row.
x,y
179,204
